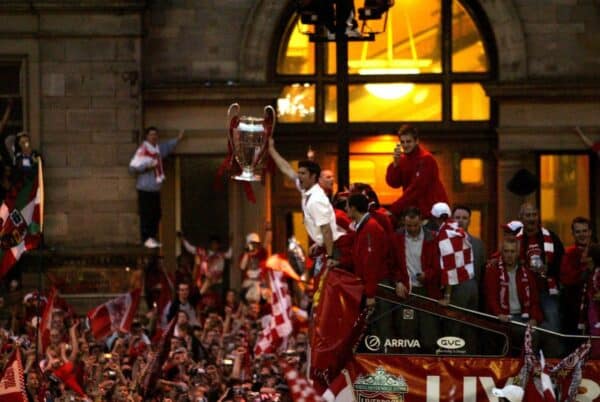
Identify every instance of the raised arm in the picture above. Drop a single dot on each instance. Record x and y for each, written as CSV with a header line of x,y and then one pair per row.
x,y
6,115
281,163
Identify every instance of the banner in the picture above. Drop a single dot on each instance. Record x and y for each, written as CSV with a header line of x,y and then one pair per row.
x,y
446,379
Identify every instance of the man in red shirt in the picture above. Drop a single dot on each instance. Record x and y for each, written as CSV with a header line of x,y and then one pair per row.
x,y
510,289
417,258
370,247
416,171
575,271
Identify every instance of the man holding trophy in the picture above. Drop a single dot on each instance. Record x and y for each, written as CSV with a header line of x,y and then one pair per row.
x,y
319,216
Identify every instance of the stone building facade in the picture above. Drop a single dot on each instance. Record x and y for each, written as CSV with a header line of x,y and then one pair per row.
x,y
96,72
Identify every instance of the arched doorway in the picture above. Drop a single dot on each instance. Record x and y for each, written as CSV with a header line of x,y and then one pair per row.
x,y
428,68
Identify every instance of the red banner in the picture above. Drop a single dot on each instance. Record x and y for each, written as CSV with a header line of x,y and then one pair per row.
x,y
446,379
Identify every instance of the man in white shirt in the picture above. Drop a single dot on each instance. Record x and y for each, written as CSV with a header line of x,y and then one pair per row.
x,y
319,216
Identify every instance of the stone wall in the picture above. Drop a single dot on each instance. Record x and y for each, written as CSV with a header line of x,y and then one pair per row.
x,y
88,69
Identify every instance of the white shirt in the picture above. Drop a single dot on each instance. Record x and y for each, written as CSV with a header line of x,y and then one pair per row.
x,y
413,247
513,292
318,211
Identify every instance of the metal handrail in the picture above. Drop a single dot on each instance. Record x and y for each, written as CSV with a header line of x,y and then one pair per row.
x,y
485,315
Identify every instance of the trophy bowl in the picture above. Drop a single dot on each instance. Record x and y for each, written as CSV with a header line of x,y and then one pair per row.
x,y
248,141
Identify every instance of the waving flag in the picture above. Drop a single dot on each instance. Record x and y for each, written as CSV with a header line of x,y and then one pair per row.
x,y
12,383
300,388
21,217
280,325
114,315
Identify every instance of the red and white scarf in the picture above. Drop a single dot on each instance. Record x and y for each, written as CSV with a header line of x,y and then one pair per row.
x,y
456,255
144,155
549,257
524,298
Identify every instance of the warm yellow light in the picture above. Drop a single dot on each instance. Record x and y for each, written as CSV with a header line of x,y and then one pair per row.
x,y
471,171
389,91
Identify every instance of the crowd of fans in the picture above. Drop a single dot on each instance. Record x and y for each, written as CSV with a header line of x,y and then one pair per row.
x,y
210,355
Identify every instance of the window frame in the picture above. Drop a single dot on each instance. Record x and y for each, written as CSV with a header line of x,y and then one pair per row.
x,y
446,78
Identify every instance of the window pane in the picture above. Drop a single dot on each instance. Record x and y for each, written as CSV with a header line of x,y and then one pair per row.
x,y
565,191
469,102
410,44
468,52
371,169
471,171
389,102
297,56
296,104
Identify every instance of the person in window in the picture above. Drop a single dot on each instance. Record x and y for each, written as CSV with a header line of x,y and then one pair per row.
x,y
510,289
416,171
147,165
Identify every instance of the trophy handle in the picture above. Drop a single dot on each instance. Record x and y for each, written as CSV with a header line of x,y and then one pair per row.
x,y
233,120
270,116
269,125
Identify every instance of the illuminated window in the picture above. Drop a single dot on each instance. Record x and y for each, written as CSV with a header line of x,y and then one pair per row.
x,y
296,104
411,43
405,74
298,54
468,52
475,226
471,171
469,102
388,102
565,191
369,159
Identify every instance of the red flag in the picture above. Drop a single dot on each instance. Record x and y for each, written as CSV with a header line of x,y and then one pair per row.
x,y
300,388
12,382
280,325
151,375
67,374
114,315
338,325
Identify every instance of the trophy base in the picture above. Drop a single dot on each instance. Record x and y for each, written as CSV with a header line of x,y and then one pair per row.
x,y
246,176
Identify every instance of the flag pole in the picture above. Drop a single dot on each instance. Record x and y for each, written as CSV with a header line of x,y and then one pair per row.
x,y
40,190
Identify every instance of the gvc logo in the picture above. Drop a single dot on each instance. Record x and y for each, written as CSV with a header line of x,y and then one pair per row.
x,y
373,343
451,342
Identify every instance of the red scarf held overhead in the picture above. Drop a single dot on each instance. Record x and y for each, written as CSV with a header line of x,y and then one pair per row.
x,y
524,298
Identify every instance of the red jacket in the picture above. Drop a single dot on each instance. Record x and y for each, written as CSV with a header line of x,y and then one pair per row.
x,y
430,264
492,292
369,254
417,174
571,268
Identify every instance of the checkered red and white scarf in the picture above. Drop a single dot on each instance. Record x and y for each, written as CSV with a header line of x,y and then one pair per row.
x,y
456,255
300,389
279,326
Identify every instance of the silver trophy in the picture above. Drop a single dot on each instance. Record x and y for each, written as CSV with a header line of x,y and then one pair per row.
x,y
249,141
